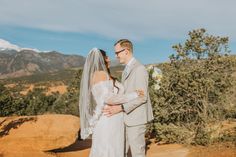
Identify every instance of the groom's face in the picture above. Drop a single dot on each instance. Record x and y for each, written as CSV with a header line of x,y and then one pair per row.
x,y
120,53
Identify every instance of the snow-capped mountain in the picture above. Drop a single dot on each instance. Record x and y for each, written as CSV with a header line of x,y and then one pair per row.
x,y
5,45
16,61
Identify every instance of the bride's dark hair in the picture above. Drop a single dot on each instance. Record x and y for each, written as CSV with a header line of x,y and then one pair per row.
x,y
104,54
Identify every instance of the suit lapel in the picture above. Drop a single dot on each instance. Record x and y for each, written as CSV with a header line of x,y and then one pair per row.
x,y
132,66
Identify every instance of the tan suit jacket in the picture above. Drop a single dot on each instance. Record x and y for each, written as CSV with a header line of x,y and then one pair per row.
x,y
138,111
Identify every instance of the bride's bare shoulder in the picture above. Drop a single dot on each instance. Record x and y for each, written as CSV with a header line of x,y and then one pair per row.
x,y
99,76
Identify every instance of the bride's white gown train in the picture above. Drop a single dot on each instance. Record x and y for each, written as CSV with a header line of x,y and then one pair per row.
x,y
108,132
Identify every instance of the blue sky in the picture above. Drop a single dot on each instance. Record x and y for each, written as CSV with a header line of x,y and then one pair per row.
x,y
76,26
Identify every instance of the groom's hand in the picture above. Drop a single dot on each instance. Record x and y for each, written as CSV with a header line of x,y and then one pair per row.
x,y
110,110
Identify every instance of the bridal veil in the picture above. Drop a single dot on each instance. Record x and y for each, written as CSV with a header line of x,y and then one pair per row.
x,y
94,62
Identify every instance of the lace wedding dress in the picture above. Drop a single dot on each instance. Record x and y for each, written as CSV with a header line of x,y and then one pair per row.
x,y
108,132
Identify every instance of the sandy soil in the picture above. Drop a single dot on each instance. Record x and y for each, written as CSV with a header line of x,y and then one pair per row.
x,y
30,87
217,150
60,88
81,149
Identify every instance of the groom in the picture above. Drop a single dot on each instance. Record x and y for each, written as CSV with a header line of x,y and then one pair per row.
x,y
139,111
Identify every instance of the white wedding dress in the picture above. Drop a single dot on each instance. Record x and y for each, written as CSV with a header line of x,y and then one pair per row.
x,y
108,132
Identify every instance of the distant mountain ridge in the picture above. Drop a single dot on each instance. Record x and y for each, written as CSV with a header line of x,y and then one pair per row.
x,y
16,61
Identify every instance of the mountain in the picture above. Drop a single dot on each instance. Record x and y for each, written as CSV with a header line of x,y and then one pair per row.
x,y
16,61
5,45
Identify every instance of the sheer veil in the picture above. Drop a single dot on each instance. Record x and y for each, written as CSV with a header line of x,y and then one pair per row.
x,y
94,62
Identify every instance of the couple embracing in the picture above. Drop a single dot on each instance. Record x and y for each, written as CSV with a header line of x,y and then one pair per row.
x,y
114,113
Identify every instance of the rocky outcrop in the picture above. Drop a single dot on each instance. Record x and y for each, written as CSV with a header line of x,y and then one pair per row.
x,y
38,133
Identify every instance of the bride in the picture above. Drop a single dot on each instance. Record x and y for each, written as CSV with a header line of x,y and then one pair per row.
x,y
98,88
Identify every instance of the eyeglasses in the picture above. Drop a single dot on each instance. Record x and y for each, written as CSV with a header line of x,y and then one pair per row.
x,y
117,52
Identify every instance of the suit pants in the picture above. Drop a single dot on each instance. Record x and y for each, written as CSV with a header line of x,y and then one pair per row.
x,y
135,140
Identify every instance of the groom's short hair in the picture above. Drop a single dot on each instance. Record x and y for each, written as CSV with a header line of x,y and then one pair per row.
x,y
125,43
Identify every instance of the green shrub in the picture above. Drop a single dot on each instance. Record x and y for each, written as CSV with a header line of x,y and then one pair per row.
x,y
193,89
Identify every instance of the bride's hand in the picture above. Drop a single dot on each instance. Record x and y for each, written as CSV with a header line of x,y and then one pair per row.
x,y
140,92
